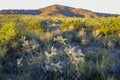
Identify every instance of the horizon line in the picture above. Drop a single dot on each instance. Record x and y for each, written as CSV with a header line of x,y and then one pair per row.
x,y
60,5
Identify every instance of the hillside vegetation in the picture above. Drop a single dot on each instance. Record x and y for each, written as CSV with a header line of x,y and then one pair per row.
x,y
59,48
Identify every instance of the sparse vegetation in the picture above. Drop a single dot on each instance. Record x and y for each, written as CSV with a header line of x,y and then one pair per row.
x,y
57,48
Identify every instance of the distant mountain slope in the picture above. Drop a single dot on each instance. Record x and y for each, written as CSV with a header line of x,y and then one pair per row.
x,y
32,12
58,10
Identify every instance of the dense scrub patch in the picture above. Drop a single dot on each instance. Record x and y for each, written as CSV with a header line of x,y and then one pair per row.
x,y
7,32
52,48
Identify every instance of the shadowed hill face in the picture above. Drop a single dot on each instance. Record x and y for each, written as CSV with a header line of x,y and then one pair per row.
x,y
31,12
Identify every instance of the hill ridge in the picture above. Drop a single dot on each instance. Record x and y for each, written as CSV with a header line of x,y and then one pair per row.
x,y
57,10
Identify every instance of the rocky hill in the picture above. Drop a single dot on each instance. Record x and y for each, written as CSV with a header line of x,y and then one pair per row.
x,y
58,10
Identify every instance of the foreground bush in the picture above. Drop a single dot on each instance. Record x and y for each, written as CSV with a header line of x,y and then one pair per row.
x,y
63,63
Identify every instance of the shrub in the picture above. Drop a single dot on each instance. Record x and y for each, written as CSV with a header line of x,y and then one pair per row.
x,y
35,25
97,67
3,51
7,32
71,25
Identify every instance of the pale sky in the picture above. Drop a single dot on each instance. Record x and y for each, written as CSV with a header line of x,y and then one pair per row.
x,y
105,6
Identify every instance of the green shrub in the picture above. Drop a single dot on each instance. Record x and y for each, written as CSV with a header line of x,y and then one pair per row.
x,y
71,25
3,51
97,66
7,32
